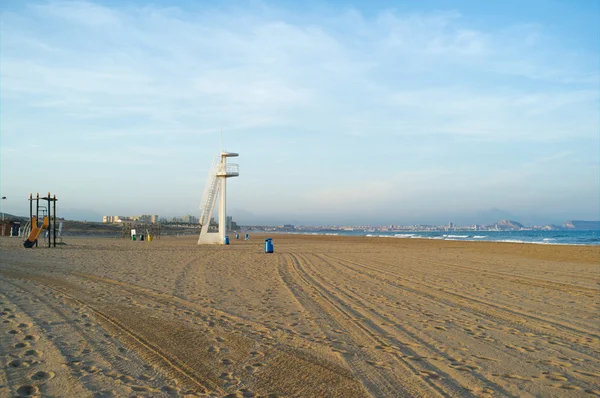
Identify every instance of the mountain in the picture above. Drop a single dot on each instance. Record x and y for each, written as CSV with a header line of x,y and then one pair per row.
x,y
582,225
509,225
489,216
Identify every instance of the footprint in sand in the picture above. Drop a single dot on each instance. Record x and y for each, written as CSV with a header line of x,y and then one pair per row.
x,y
91,369
512,376
42,375
31,337
170,390
33,353
126,379
214,349
463,366
566,386
112,374
22,344
232,383
142,389
484,358
227,361
429,374
379,364
27,391
554,376
18,364
146,377
513,347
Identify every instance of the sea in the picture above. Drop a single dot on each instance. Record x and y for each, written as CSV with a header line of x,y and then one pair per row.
x,y
535,237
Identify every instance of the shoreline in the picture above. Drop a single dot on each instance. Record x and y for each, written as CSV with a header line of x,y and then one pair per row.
x,y
476,238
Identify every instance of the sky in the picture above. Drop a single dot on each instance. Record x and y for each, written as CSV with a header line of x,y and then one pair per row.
x,y
343,113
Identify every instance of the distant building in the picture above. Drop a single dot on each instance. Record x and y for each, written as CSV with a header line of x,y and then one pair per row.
x,y
111,219
143,218
189,219
228,221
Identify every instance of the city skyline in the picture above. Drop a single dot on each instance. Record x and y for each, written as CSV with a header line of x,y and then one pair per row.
x,y
343,113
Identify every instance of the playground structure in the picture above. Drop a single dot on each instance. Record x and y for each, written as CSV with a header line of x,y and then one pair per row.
x,y
49,221
152,229
216,186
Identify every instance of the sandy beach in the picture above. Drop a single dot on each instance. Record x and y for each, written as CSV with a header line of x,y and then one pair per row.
x,y
320,317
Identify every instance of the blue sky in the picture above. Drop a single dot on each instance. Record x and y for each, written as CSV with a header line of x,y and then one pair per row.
x,y
343,112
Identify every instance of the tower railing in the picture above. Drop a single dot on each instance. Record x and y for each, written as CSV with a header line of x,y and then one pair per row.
x,y
228,170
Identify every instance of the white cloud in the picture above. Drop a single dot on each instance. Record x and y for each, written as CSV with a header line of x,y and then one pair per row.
x,y
118,75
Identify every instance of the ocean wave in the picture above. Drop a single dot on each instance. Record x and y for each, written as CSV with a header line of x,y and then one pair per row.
x,y
511,241
457,236
592,240
479,236
406,236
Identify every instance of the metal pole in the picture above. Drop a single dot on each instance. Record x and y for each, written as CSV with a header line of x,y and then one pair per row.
x,y
1,202
49,218
37,213
30,212
54,224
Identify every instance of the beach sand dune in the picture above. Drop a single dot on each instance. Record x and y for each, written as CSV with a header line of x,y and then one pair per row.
x,y
320,317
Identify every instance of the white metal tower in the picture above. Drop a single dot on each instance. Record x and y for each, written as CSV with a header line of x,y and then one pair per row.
x,y
216,184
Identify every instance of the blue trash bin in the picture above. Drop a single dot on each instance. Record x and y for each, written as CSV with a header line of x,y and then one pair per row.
x,y
237,236
247,237
226,240
269,245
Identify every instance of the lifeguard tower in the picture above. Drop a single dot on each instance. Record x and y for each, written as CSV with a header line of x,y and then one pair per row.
x,y
216,186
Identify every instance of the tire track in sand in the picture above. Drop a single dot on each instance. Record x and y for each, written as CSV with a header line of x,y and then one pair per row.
x,y
429,372
445,381
150,350
493,310
371,368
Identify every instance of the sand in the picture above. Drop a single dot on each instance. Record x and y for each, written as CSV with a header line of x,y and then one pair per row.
x,y
321,317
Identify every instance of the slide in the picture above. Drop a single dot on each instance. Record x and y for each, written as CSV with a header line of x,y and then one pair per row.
x,y
35,231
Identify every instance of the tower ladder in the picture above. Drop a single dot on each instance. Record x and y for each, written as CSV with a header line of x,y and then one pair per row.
x,y
210,193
